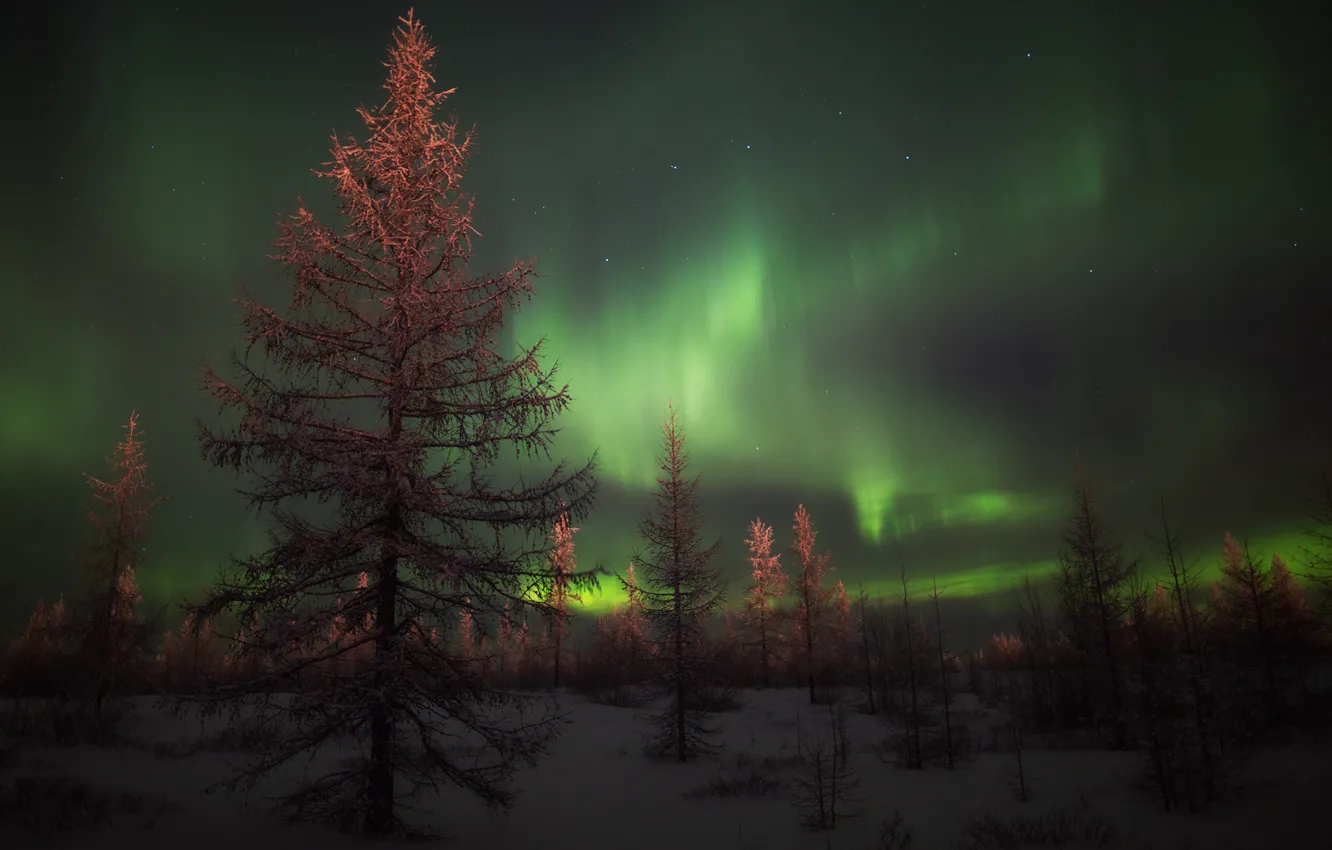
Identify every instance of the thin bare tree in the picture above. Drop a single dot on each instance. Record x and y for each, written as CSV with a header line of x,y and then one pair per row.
x,y
943,674
680,591
1093,580
1183,582
914,755
866,653
112,635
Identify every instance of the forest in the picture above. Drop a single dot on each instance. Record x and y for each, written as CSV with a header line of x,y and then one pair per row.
x,y
411,647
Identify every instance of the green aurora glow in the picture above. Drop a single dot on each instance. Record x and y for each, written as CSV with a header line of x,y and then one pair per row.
x,y
890,265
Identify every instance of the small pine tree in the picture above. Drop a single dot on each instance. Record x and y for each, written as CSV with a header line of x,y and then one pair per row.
x,y
840,642
562,568
467,631
943,677
1294,627
813,597
914,752
1093,577
36,661
680,592
504,647
632,616
866,648
1202,748
767,587
1244,609
113,636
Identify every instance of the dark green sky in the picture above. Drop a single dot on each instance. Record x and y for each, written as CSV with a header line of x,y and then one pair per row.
x,y
900,265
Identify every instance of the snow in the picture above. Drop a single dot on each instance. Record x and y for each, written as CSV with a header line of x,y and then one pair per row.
x,y
597,789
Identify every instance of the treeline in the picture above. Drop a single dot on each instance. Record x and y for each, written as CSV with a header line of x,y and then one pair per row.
x,y
1192,673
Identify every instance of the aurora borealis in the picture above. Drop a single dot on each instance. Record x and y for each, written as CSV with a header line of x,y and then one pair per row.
x,y
901,265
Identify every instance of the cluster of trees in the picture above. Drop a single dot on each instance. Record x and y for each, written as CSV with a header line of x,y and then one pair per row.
x,y
90,647
435,588
1189,674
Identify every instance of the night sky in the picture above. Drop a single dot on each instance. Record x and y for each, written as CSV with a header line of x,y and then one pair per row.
x,y
903,266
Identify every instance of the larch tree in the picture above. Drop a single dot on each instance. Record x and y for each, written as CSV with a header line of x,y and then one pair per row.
x,y
373,437
866,648
1317,551
813,596
680,591
1093,584
943,675
629,623
504,644
914,752
113,638
767,587
562,568
633,605
1245,615
840,603
1036,639
1182,583
467,632
33,665
1294,626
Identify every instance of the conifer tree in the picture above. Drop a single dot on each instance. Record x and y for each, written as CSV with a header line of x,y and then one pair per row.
x,y
1317,553
467,631
914,755
813,597
504,649
35,661
680,591
767,587
112,634
389,397
562,569
1094,578
1182,585
1245,613
1035,635
1294,626
943,676
866,648
632,616
841,624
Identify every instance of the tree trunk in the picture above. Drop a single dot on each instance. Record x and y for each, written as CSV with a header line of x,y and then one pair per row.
x,y
809,644
680,751
379,817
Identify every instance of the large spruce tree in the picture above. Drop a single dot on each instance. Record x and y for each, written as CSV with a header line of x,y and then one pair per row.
x,y
373,435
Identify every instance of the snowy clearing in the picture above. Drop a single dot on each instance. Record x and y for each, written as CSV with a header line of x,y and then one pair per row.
x,y
598,790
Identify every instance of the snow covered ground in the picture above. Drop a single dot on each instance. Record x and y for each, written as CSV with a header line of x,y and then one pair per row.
x,y
598,791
